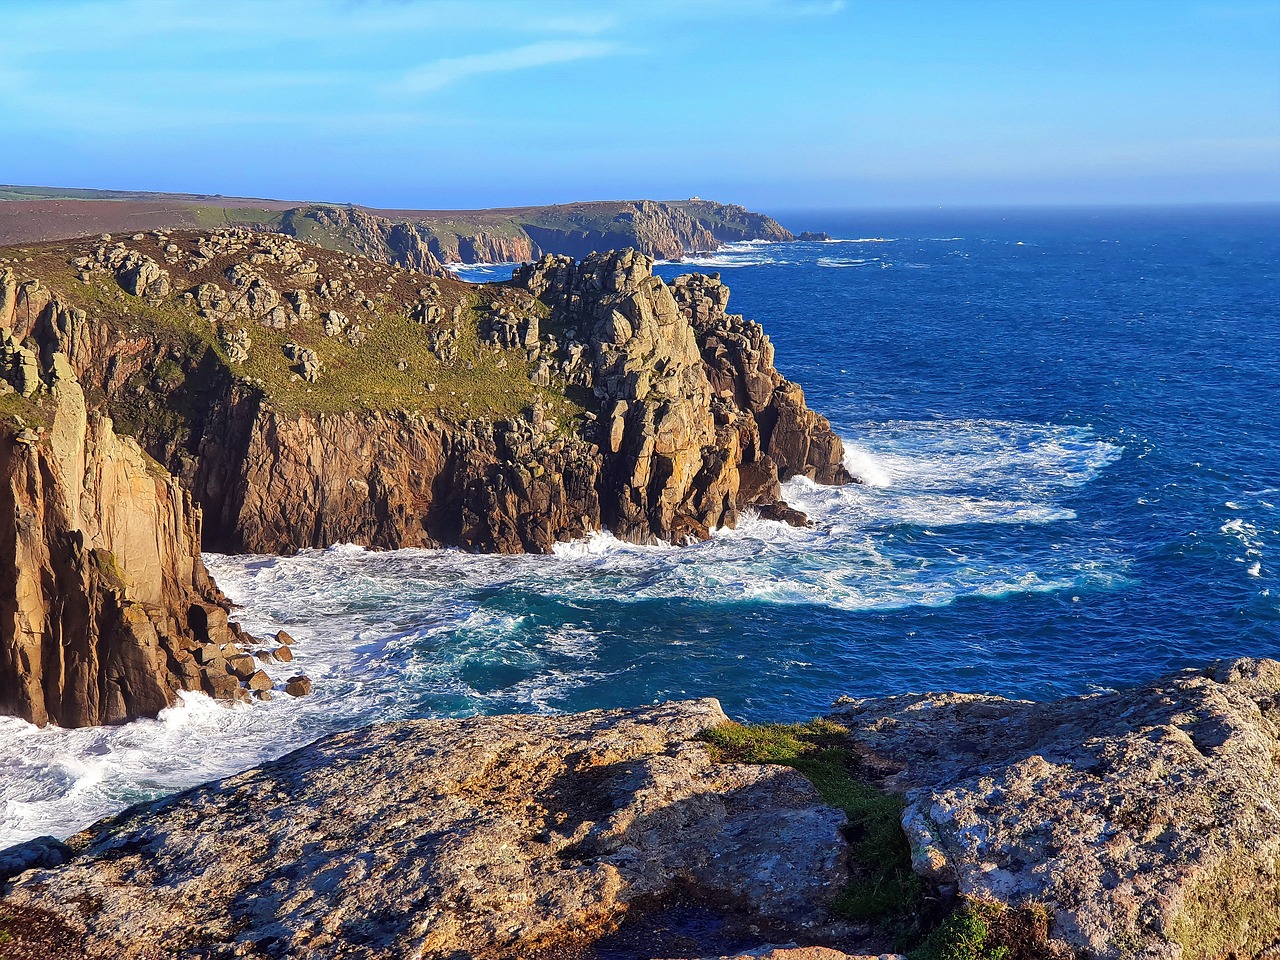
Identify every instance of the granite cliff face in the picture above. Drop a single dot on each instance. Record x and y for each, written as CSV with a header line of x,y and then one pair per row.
x,y
106,611
307,398
695,422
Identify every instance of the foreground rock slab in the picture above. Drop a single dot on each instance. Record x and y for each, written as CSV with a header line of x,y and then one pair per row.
x,y
1146,821
486,838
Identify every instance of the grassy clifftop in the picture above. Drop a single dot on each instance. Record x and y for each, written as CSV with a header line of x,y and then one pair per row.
x,y
663,229
312,329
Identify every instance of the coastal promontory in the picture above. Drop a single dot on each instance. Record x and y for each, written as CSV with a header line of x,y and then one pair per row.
x,y
171,392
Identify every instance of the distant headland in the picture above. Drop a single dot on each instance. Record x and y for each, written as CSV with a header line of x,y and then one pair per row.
x,y
416,239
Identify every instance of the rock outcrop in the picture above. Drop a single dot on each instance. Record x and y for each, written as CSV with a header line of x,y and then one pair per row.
x,y
1141,823
695,422
1146,822
106,610
496,837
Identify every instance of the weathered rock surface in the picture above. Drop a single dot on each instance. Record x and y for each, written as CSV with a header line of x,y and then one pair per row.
x,y
692,400
1147,821
485,838
103,597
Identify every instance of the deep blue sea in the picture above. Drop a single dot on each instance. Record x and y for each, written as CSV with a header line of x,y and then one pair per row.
x,y
1068,428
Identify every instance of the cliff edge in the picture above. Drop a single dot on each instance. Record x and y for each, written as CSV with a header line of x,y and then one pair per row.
x,y
307,398
417,239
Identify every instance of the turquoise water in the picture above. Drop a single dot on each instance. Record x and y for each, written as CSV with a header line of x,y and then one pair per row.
x,y
1066,424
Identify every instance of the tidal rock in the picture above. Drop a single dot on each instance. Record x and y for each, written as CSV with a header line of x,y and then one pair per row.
x,y
299,686
495,837
1147,821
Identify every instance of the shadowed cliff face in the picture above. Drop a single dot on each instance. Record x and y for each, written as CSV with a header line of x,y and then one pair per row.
x,y
104,602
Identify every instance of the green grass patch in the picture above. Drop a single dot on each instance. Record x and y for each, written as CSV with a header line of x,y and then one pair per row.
x,y
209,217
966,934
31,411
884,889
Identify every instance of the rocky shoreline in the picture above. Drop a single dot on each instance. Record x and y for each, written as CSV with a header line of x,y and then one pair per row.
x,y
169,391
1136,823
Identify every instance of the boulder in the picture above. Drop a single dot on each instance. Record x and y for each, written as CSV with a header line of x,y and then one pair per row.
x,y
299,686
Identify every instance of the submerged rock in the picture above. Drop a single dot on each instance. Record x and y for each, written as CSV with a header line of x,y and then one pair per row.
x,y
491,837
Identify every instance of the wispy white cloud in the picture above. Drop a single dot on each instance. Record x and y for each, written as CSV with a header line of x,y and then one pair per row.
x,y
449,70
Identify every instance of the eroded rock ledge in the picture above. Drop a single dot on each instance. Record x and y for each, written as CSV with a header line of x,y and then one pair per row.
x,y
1142,823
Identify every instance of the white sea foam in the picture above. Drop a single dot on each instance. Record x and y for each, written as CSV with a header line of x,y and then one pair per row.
x,y
841,262
864,466
481,272
391,635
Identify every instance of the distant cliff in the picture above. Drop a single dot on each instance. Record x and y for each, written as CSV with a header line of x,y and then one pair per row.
x,y
418,239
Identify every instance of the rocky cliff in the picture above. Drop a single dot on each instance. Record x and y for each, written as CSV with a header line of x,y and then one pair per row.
x,y
277,396
662,230
106,611
307,398
1141,823
416,239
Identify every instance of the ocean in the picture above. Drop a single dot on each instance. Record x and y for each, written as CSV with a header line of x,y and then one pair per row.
x,y
1066,424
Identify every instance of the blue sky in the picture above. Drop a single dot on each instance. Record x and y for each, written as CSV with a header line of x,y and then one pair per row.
x,y
809,103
